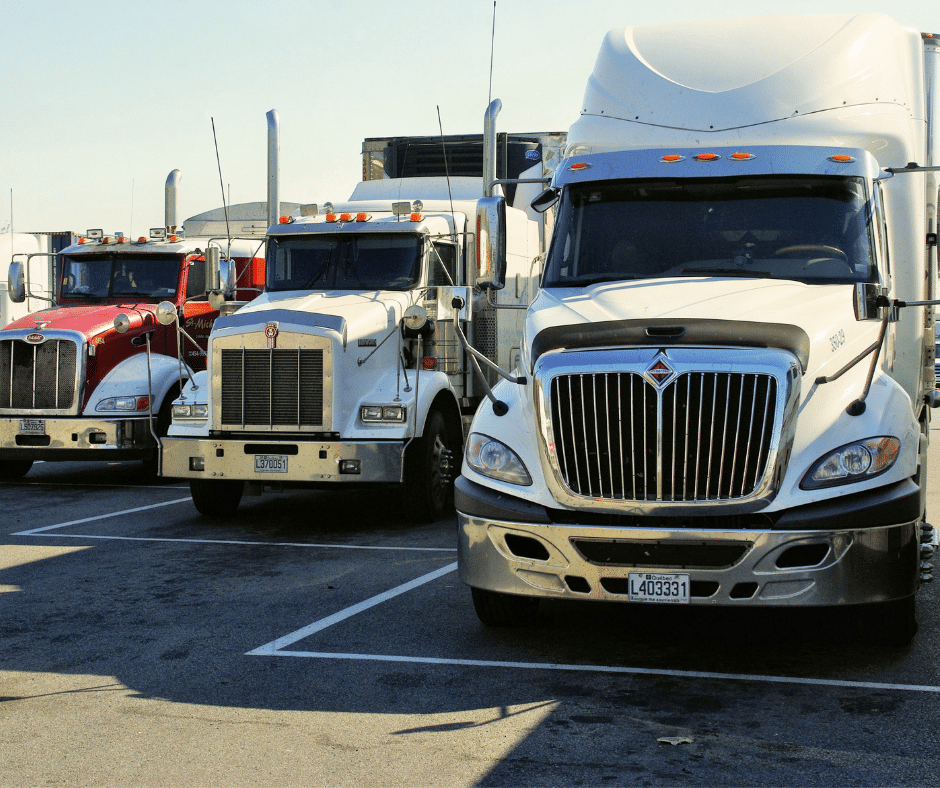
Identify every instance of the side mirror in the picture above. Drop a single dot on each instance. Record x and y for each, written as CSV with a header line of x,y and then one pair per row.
x,y
227,278
491,242
545,200
213,255
869,301
165,313
16,283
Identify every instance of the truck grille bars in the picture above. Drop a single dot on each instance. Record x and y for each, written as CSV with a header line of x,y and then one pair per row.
x,y
272,387
706,436
38,377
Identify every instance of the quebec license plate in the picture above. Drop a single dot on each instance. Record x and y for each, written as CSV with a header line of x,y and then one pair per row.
x,y
270,463
657,587
32,426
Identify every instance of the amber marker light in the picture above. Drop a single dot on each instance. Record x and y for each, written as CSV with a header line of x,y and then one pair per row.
x,y
330,217
416,217
842,158
284,220
362,217
578,166
707,157
741,156
142,239
345,217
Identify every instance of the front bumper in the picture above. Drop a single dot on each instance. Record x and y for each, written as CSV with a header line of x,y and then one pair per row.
x,y
784,566
76,439
305,462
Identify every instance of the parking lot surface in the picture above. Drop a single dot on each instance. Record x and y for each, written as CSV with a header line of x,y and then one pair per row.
x,y
319,638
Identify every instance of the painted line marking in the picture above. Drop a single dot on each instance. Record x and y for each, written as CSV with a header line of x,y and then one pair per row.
x,y
44,531
342,615
33,531
276,648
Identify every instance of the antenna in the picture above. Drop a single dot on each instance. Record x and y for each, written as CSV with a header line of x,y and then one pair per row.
x,y
447,170
489,98
130,227
228,231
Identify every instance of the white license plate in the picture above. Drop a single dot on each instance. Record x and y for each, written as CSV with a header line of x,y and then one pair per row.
x,y
270,463
33,426
657,587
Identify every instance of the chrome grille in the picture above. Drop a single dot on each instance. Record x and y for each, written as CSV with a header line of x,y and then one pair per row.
x,y
38,377
272,387
705,437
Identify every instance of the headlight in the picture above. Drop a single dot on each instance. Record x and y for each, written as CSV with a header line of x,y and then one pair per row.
x,y
853,462
183,412
496,460
373,414
123,403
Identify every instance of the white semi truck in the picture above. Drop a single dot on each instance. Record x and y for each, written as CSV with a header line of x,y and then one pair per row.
x,y
350,369
729,367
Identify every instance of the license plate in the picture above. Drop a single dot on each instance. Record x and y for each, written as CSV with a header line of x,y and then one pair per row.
x,y
33,426
270,463
656,587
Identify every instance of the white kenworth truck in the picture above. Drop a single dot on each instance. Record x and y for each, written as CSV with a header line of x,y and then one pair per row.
x,y
728,370
350,368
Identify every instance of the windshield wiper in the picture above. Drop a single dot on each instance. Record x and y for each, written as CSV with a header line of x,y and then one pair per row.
x,y
742,272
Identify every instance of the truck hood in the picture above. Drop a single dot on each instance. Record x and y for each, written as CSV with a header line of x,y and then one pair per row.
x,y
363,313
824,313
89,320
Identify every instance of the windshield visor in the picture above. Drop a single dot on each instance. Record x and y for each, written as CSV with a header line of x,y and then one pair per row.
x,y
141,277
380,262
816,230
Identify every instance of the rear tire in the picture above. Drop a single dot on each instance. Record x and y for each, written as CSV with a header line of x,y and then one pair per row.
x,y
429,471
495,609
11,470
216,498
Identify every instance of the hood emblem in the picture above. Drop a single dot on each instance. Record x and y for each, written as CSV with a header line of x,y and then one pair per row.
x,y
270,331
35,339
41,324
659,373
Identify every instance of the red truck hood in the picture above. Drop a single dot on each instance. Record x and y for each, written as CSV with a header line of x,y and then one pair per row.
x,y
90,320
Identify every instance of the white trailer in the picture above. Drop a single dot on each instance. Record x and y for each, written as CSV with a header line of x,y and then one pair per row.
x,y
36,252
730,363
349,368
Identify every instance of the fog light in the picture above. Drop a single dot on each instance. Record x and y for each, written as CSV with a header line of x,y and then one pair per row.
x,y
197,463
350,466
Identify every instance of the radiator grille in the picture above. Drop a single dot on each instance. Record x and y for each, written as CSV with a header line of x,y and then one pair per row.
x,y
272,387
704,437
38,377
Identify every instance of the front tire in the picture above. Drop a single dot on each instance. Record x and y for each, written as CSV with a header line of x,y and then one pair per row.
x,y
495,609
216,498
11,470
888,623
429,482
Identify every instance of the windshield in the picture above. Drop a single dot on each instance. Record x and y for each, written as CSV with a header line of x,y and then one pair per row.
x,y
811,229
375,262
112,275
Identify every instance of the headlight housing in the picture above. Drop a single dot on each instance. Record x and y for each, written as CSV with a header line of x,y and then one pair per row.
x,y
492,458
123,404
186,412
853,462
379,414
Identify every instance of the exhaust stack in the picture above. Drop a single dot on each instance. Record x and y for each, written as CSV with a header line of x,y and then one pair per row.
x,y
274,203
169,200
489,148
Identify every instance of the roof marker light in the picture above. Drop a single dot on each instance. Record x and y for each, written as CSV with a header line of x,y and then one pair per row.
x,y
285,220
142,239
706,157
580,165
742,156
670,158
842,158
416,217
173,238
330,217
345,217
363,217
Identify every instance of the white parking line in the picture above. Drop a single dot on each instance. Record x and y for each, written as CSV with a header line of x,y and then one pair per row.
x,y
276,648
33,531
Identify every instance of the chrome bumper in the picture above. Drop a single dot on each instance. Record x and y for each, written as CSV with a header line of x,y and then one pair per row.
x,y
76,438
525,554
313,462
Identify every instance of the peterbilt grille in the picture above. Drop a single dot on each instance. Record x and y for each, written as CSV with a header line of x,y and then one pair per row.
x,y
38,377
272,387
704,437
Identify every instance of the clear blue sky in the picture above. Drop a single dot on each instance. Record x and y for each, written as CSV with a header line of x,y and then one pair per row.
x,y
103,99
